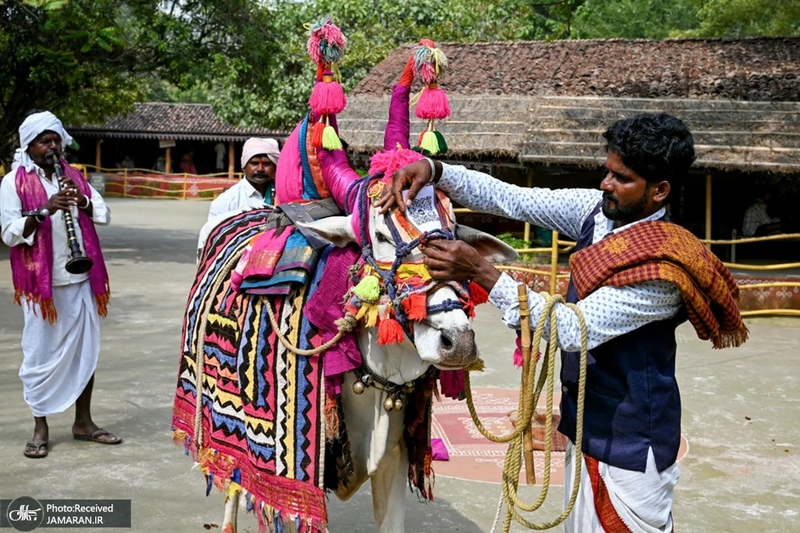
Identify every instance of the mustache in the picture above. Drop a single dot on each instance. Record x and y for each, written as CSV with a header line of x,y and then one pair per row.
x,y
609,196
52,156
260,175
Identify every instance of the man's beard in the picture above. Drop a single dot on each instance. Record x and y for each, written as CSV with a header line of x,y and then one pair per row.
x,y
627,213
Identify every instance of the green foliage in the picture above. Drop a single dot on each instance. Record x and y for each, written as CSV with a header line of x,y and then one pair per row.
x,y
514,242
749,18
634,19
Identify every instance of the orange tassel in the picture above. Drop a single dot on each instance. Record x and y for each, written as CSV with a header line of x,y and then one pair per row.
x,y
415,307
316,134
390,332
469,308
477,294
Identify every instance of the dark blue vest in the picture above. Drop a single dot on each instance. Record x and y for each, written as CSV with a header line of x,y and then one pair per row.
x,y
632,399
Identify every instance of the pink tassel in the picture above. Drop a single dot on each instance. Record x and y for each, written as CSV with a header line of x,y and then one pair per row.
x,y
427,73
328,97
389,161
518,353
433,103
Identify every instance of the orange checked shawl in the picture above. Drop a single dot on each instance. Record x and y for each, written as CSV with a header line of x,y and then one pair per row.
x,y
664,251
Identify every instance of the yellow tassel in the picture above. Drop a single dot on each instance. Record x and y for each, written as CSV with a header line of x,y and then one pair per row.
x,y
233,490
477,366
372,316
430,143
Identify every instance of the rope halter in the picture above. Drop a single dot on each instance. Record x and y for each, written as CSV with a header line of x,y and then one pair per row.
x,y
393,295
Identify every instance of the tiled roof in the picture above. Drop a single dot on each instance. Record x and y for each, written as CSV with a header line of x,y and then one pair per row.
x,y
542,102
764,69
172,121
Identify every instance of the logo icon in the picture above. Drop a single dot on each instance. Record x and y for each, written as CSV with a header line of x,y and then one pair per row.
x,y
25,514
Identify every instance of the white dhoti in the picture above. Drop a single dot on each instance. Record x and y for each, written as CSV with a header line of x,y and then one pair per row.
x,y
59,360
626,500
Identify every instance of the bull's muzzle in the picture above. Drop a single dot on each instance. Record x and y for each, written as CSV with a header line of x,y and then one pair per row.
x,y
457,349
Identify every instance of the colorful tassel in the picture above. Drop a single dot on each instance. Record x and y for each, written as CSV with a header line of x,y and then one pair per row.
x,y
330,141
390,332
328,97
432,103
477,294
316,134
416,307
326,43
428,142
372,316
368,289
442,143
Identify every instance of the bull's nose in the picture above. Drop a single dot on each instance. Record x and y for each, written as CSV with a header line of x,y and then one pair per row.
x,y
458,348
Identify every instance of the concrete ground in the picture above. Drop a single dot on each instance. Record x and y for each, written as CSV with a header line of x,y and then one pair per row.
x,y
741,409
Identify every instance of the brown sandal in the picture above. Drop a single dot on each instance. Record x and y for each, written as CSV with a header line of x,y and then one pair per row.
x,y
95,437
36,449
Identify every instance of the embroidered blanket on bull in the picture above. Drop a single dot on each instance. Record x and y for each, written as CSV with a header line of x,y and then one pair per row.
x,y
261,426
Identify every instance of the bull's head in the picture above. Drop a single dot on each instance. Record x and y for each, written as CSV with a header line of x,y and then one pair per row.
x,y
444,338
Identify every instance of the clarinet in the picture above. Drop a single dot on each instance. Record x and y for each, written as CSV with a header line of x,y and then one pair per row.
x,y
79,262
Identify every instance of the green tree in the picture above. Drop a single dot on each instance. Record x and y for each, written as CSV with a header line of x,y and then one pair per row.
x,y
634,19
749,18
87,60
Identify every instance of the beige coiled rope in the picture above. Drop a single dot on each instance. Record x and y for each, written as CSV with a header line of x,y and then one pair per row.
x,y
527,405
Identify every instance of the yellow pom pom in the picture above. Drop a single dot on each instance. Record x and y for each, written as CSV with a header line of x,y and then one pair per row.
x,y
331,141
368,289
429,142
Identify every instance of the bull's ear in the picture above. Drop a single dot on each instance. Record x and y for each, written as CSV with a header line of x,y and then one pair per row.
x,y
492,248
337,230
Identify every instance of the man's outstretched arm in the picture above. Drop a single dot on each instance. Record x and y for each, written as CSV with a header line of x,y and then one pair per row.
x,y
563,210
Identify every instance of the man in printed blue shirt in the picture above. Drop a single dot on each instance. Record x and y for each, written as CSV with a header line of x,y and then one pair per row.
x,y
632,409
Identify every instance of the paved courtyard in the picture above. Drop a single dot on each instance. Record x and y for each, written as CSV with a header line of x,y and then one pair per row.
x,y
741,409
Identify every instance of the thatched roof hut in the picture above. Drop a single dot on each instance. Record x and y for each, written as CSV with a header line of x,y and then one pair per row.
x,y
538,102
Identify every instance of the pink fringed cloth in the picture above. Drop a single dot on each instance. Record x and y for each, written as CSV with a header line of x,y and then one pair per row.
x,y
32,266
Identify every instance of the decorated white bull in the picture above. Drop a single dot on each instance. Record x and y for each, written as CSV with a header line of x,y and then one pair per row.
x,y
316,366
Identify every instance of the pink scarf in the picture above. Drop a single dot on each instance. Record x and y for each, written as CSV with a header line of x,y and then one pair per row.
x,y
32,266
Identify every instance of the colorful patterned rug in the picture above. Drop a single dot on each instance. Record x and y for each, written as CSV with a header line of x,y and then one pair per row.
x,y
262,427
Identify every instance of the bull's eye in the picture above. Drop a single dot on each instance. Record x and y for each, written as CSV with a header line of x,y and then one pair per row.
x,y
381,237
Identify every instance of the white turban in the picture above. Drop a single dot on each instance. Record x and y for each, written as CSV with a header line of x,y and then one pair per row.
x,y
32,127
255,146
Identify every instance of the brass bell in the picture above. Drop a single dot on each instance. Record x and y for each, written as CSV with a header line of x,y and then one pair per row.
x,y
398,404
388,404
358,387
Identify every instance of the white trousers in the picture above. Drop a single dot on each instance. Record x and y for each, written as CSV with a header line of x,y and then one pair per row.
x,y
59,360
642,500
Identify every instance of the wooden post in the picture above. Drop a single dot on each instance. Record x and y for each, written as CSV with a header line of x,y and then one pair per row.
x,y
527,234
168,162
708,209
230,160
554,264
525,341
185,177
97,158
125,184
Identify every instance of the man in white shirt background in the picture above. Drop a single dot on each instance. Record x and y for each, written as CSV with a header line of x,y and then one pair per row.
x,y
61,310
257,189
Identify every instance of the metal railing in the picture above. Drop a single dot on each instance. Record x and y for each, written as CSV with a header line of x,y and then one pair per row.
x,y
146,183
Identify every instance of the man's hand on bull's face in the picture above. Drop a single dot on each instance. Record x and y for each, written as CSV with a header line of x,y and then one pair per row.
x,y
457,260
412,177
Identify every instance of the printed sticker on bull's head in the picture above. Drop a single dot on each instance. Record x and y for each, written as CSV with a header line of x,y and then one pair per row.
x,y
411,321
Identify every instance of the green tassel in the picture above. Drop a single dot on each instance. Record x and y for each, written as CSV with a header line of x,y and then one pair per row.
x,y
330,141
430,143
368,289
442,143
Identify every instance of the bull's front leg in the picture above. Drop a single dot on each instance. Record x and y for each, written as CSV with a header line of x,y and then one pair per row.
x,y
389,487
230,519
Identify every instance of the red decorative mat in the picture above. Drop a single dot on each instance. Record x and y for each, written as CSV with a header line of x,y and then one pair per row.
x,y
476,458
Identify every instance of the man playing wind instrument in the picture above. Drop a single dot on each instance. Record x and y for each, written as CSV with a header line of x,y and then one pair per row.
x,y
636,277
61,310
